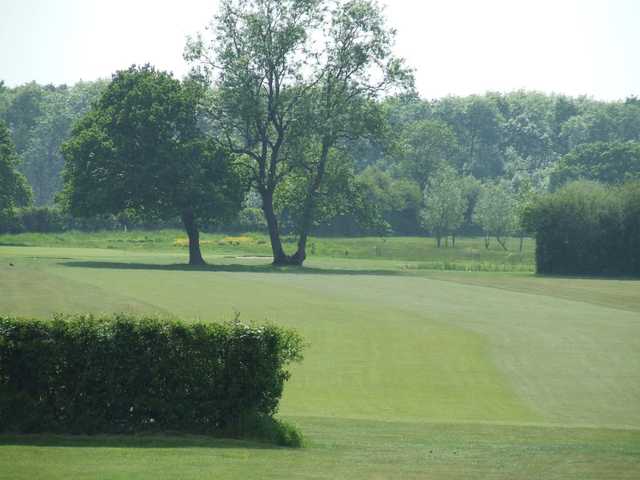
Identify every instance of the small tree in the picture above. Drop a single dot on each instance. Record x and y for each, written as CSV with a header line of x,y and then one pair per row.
x,y
445,203
14,190
496,213
140,149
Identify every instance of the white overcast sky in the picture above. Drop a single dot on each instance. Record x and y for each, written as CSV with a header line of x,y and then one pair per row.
x,y
457,47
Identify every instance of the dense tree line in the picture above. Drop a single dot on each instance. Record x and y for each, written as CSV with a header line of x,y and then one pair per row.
x,y
521,138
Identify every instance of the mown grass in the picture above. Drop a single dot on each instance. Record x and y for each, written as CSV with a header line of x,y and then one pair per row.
x,y
409,373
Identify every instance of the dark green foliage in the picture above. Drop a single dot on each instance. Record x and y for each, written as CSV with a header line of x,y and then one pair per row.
x,y
587,228
14,190
140,148
53,219
86,374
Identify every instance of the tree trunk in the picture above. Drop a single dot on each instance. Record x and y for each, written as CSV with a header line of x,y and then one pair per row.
x,y
521,242
438,238
486,242
306,221
279,257
195,256
502,243
453,241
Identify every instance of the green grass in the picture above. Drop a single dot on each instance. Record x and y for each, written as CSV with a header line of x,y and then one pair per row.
x,y
417,252
409,373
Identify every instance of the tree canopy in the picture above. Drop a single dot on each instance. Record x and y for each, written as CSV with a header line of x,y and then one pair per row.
x,y
606,162
14,189
140,148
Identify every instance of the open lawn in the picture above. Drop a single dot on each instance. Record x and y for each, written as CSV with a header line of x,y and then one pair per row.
x,y
409,372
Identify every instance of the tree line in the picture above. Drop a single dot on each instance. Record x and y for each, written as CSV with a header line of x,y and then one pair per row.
x,y
299,115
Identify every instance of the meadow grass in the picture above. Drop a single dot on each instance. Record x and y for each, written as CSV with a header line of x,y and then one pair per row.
x,y
469,254
409,372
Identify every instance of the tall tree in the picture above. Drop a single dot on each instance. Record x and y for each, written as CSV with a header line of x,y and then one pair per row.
x,y
140,148
14,190
294,80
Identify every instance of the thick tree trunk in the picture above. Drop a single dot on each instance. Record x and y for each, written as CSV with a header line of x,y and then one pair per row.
x,y
306,221
195,256
300,256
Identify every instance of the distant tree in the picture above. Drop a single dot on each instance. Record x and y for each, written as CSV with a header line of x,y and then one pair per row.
x,y
396,200
426,145
14,190
524,197
295,80
140,149
606,162
496,213
476,121
60,108
445,203
22,113
471,188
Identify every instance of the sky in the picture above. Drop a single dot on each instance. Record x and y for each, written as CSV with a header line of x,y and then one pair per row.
x,y
456,47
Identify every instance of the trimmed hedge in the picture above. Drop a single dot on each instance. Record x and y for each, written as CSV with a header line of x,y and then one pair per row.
x,y
587,228
118,374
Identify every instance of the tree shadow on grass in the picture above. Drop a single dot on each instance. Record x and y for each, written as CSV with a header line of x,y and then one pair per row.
x,y
243,268
130,441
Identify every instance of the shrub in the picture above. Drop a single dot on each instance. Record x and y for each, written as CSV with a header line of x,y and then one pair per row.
x,y
587,228
117,374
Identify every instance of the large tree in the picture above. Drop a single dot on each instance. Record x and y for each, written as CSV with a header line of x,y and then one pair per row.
x,y
294,80
14,190
140,148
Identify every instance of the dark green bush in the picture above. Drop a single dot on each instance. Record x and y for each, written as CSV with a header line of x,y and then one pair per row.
x,y
117,374
587,228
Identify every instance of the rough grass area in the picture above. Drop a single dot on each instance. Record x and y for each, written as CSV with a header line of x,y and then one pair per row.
x,y
409,373
420,252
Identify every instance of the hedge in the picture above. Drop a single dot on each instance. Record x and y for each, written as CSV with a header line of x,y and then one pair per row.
x,y
121,373
49,219
587,228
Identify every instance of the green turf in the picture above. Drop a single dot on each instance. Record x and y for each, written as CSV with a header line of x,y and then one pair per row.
x,y
409,373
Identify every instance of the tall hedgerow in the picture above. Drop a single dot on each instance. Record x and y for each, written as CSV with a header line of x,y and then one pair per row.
x,y
587,228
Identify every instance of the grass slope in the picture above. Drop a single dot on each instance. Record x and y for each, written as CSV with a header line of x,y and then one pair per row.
x,y
408,375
